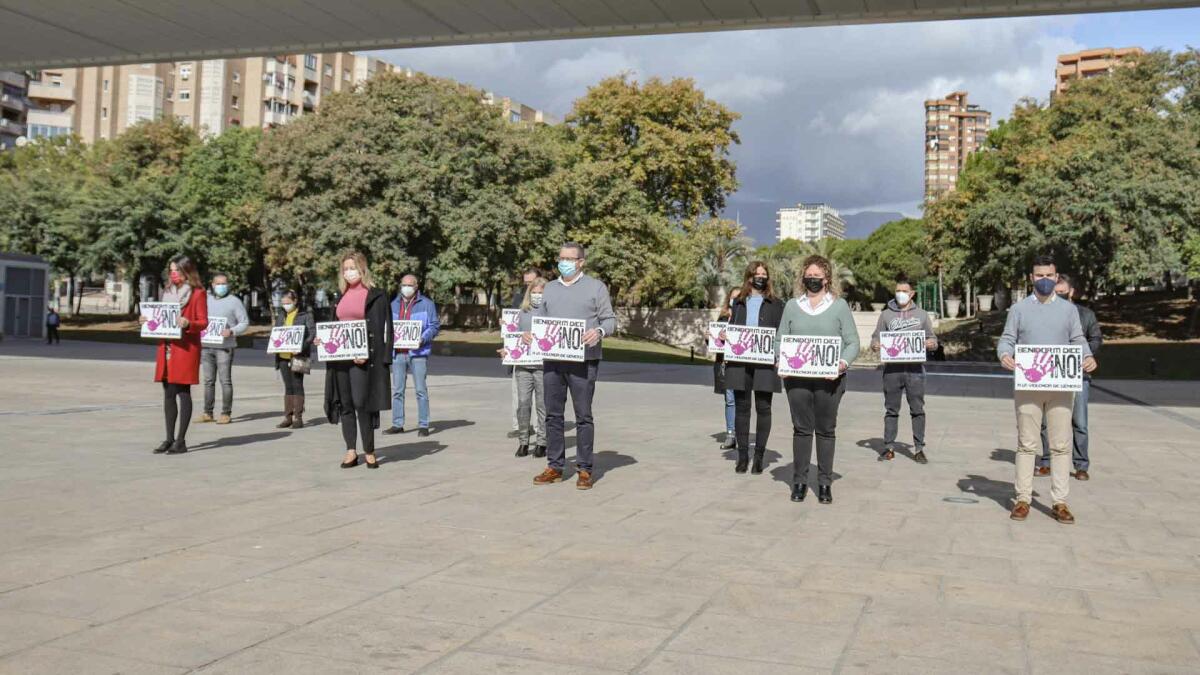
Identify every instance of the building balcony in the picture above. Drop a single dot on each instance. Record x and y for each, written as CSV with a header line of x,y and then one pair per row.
x,y
310,74
275,66
47,92
50,118
11,128
12,102
13,78
310,100
274,119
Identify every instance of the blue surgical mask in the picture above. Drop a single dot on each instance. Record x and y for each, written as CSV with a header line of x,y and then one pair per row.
x,y
221,290
1044,286
566,268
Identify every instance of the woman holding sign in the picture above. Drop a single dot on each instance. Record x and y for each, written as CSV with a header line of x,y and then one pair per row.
x,y
293,366
817,343
355,391
755,306
177,364
531,399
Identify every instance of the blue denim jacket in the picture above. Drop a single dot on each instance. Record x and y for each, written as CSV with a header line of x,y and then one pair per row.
x,y
424,311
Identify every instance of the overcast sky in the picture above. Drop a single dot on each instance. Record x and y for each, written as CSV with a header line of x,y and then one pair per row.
x,y
828,114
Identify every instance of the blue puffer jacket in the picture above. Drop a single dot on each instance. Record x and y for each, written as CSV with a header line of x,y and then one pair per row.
x,y
424,311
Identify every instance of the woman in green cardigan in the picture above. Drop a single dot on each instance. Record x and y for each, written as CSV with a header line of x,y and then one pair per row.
x,y
815,310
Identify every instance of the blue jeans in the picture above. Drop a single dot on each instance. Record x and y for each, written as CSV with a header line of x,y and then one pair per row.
x,y
402,364
730,410
1079,425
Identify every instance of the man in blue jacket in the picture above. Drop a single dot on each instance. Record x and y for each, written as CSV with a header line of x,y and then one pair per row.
x,y
411,305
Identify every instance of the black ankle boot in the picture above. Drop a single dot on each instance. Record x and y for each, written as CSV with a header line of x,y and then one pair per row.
x,y
799,492
539,451
163,447
523,450
177,448
824,494
742,461
758,461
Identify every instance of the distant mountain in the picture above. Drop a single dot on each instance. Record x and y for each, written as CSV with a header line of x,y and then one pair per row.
x,y
860,225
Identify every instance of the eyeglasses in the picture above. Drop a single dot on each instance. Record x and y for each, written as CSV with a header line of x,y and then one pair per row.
x,y
562,259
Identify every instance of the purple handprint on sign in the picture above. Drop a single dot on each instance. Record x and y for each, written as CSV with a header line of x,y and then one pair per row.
x,y
333,345
547,341
743,343
516,353
803,354
894,348
1041,366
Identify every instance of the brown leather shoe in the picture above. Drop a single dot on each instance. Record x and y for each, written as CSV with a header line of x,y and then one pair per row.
x,y
887,455
1042,471
547,477
1062,514
1081,475
1020,511
204,418
584,481
223,419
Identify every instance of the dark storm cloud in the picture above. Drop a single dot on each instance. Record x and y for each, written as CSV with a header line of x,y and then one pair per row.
x,y
828,114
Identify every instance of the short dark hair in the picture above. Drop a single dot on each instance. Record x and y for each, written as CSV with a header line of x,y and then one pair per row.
x,y
1044,261
1064,278
219,274
532,270
902,278
577,246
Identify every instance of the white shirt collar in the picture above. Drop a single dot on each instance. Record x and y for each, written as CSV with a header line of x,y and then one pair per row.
x,y
824,304
572,282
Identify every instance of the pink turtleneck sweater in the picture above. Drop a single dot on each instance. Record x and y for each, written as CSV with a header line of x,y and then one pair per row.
x,y
353,305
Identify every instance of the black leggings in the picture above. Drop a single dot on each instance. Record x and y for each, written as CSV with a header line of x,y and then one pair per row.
x,y
293,383
182,411
353,383
814,405
741,419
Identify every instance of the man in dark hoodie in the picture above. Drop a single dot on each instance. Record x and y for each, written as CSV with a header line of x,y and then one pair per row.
x,y
902,314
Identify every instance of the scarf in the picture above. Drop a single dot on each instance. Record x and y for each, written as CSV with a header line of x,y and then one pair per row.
x,y
179,294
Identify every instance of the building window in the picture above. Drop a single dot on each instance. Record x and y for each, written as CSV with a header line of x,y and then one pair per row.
x,y
328,70
237,77
345,75
106,85
185,72
104,113
310,61
233,102
185,95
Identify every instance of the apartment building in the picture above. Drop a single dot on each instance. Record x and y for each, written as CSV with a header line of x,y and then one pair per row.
x,y
954,129
1090,63
13,108
516,112
809,222
210,96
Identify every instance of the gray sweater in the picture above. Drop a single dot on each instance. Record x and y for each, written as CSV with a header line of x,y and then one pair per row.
x,y
587,299
1033,322
233,311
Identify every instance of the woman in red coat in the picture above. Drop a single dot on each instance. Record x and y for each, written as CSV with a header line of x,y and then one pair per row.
x,y
178,362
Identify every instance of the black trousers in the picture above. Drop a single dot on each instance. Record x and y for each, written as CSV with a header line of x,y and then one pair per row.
x,y
911,383
293,383
814,405
353,382
559,378
52,334
741,419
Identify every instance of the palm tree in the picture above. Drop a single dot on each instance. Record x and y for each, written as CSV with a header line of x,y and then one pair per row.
x,y
843,276
720,266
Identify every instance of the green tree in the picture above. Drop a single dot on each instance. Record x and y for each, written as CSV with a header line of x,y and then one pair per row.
x,y
671,140
895,247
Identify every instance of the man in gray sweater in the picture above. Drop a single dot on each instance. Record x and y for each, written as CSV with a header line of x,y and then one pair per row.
x,y
216,361
574,295
1043,319
902,314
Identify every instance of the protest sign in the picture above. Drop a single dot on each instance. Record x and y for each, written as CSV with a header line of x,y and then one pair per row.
x,y
162,320
750,344
517,353
286,339
558,339
1048,368
902,346
715,344
342,340
509,320
406,334
211,337
809,355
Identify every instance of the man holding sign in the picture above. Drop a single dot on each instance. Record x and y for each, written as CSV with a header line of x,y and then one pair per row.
x,y
227,319
416,324
1042,319
902,335
574,295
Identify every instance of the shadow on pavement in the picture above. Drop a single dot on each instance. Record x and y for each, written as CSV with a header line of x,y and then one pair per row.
x,y
234,441
440,426
404,452
1004,455
607,460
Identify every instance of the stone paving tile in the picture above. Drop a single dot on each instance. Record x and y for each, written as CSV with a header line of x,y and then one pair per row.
x,y
192,569
1091,577
92,597
19,630
894,586
440,601
1169,646
170,636
742,637
1171,612
1018,597
896,632
263,661
673,663
44,660
970,566
470,662
573,641
275,601
652,600
800,606
358,573
863,663
1059,662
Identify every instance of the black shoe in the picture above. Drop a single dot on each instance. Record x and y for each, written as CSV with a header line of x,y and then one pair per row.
x,y
539,451
370,465
757,467
177,448
351,464
743,460
799,492
523,450
824,494
920,458
423,432
393,430
163,447
730,443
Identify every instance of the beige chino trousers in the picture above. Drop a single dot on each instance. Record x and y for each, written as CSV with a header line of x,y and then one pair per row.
x,y
1031,406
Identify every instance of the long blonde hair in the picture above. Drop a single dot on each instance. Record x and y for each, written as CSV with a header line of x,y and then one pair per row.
x,y
360,261
538,282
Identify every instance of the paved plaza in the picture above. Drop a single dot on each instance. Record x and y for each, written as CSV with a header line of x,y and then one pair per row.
x,y
255,553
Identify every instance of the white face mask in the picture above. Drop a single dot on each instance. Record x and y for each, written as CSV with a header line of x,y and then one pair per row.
x,y
408,291
902,298
535,299
288,308
351,276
